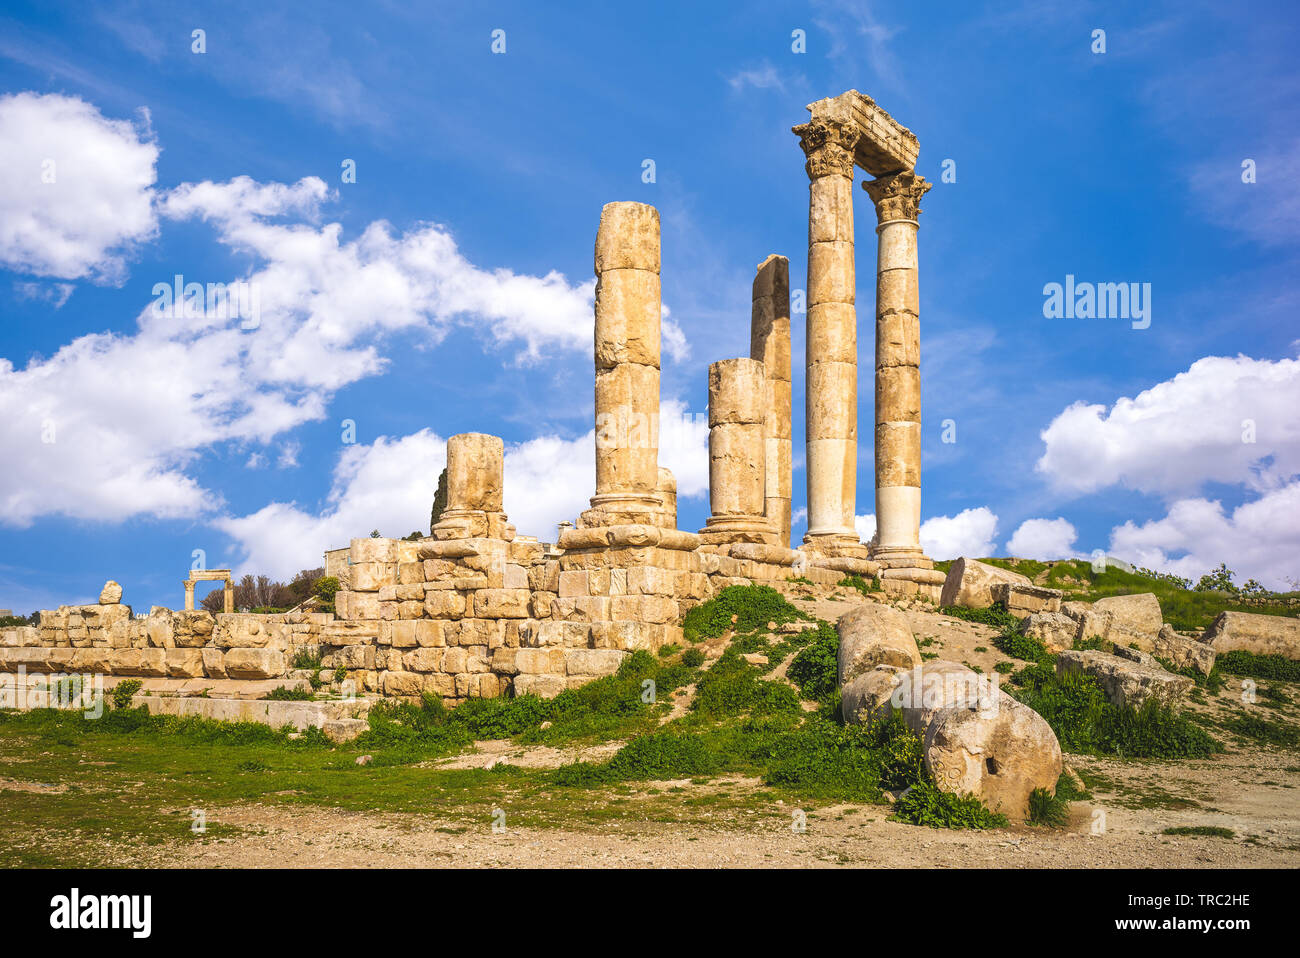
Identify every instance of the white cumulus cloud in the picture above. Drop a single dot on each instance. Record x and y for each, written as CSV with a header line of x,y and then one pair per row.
x,y
1259,539
1043,539
1229,420
968,533
389,485
77,194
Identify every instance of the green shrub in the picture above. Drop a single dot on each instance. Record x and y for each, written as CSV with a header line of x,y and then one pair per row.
x,y
1255,666
1068,791
306,657
693,658
752,606
285,694
1076,708
666,651
859,583
124,691
925,804
815,669
995,615
1048,809
1011,642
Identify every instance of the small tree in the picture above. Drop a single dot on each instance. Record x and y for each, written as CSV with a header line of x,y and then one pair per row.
x,y
327,586
439,500
1220,580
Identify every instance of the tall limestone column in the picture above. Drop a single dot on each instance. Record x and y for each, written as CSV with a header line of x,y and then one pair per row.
x,y
737,448
832,345
769,342
897,543
627,368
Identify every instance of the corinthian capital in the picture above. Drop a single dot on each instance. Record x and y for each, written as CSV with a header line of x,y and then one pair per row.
x,y
898,195
829,146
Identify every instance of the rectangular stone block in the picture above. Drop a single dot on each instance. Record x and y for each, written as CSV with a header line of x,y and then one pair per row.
x,y
501,603
444,604
255,663
647,580
593,661
184,663
643,608
540,661
545,686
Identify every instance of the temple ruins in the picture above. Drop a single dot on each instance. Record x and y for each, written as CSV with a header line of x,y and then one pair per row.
x,y
476,610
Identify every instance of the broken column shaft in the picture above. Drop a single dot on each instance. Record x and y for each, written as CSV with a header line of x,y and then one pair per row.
x,y
770,342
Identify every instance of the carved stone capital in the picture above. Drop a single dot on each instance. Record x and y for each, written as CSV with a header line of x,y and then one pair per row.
x,y
829,146
898,195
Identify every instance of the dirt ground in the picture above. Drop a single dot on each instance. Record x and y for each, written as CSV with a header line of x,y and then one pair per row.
x,y
1266,820
1253,792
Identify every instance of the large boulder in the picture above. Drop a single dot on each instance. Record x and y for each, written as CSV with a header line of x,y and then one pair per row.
x,y
1126,682
1000,752
1183,652
1136,618
872,635
1056,630
1251,632
111,594
969,581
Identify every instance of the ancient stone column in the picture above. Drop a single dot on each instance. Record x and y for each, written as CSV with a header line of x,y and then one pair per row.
x,y
769,341
832,345
228,596
897,542
189,595
627,367
475,489
667,492
737,452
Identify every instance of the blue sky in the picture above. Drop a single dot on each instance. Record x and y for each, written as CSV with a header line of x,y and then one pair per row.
x,y
448,289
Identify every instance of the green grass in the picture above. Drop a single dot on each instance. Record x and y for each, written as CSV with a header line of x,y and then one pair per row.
x,y
859,583
1251,665
1047,808
995,616
1085,722
751,606
1010,642
1213,831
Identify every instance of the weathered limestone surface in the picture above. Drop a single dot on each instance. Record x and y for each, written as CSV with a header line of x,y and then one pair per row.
x,y
1136,618
831,387
1000,753
1124,681
1183,652
977,739
897,543
111,593
969,581
1026,599
1056,630
737,448
770,344
475,482
627,344
1250,632
872,635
